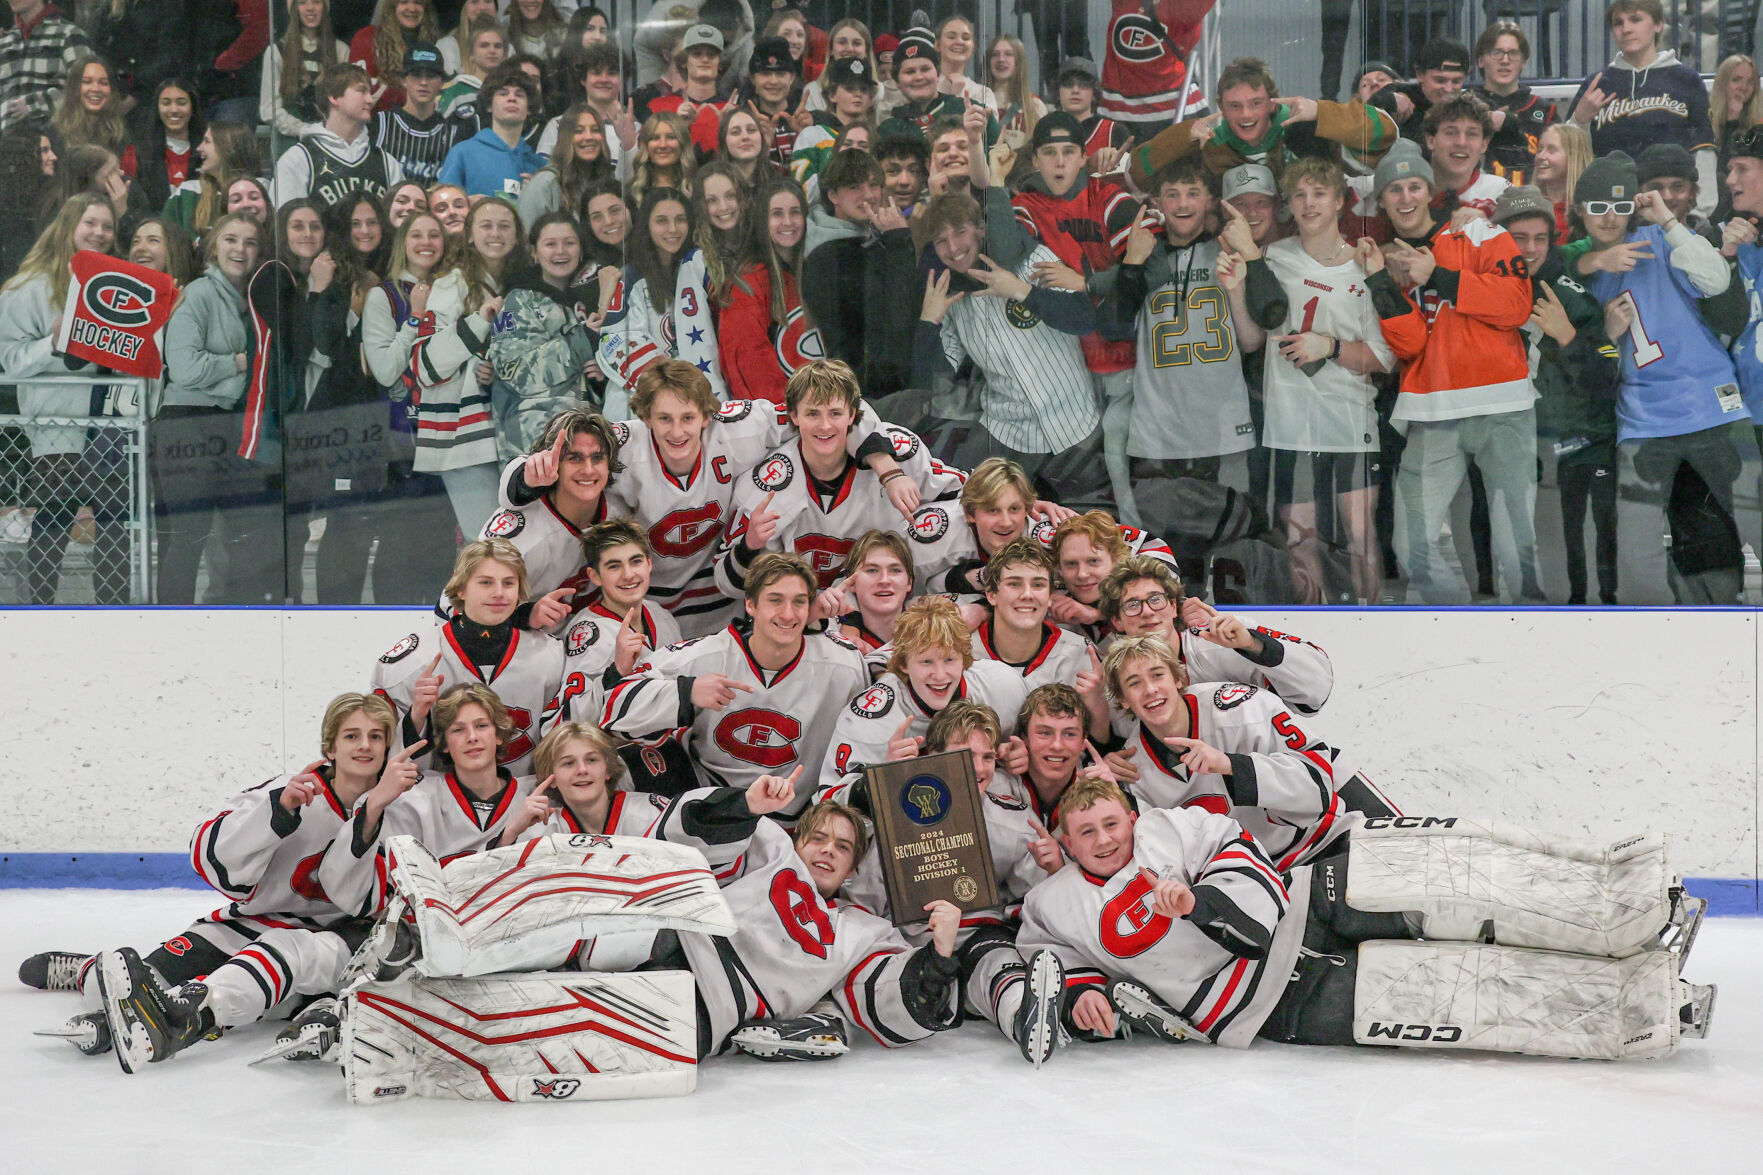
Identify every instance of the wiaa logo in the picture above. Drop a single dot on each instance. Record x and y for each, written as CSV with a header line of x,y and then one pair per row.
x,y
120,301
557,1088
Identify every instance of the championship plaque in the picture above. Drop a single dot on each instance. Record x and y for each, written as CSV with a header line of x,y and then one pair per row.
x,y
931,835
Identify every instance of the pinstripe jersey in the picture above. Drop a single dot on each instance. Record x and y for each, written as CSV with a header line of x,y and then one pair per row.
x,y
1037,397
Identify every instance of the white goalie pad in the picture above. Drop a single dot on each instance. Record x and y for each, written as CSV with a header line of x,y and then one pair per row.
x,y
522,1038
1474,996
525,907
1554,894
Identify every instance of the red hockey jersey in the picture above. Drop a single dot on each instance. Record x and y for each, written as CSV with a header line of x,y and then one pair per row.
x,y
1145,67
758,354
1088,231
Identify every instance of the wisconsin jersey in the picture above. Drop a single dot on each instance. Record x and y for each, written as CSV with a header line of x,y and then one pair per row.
x,y
860,736
787,718
820,526
1281,786
265,859
1223,967
630,814
1058,658
590,652
526,681
439,812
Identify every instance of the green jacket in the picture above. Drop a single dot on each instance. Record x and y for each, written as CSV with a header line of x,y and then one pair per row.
x,y
1577,382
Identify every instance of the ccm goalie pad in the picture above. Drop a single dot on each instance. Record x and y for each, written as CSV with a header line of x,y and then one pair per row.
x,y
527,906
1473,996
1463,877
522,1038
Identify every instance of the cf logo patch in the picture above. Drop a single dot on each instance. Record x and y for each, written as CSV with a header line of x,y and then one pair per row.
x,y
762,737
118,300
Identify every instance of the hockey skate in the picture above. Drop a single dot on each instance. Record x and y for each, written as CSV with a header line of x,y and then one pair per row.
x,y
814,1037
388,952
1698,1012
148,1021
53,970
1140,1009
310,1036
89,1032
1687,913
1037,1028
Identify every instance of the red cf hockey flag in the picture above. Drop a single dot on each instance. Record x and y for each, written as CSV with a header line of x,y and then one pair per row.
x,y
115,313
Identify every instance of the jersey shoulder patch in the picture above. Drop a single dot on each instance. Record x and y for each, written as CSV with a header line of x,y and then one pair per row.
x,y
733,410
659,800
400,650
774,473
1008,803
505,524
1229,697
620,431
874,702
906,445
930,524
581,637
838,638
1043,532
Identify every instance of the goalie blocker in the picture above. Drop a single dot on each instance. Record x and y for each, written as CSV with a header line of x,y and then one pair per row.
x,y
1567,950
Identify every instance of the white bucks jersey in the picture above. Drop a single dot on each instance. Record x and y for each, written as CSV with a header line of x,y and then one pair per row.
x,y
1107,926
590,653
265,859
1281,787
1189,395
1058,659
860,738
526,681
1333,410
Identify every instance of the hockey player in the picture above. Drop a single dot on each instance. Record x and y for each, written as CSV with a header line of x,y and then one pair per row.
x,y
998,504
1019,588
478,642
932,664
873,589
604,642
684,455
578,764
462,808
816,511
279,939
757,697
1226,747
1047,751
1176,923
1085,548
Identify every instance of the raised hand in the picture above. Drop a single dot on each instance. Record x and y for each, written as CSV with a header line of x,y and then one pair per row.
x,y
1202,758
490,308
1236,234
713,691
1013,755
830,603
761,524
902,745
772,793
903,493
1618,258
1592,101
419,299
1098,768
426,692
299,791
1140,243
1121,763
998,281
1734,233
535,809
1550,317
1044,849
1107,159
1056,275
631,643
937,298
1202,129
550,610
886,218
1651,205
1089,682
945,924
1169,898
1068,611
398,776
541,468
323,269
1368,255
1618,316
1299,109
1053,512
1231,270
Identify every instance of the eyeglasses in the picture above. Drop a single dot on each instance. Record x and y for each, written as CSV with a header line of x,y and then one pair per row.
x,y
1506,54
1605,207
1156,602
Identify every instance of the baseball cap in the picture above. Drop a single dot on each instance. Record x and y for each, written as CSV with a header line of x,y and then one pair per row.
x,y
852,72
1402,161
701,34
1608,177
886,43
423,58
1441,53
1075,67
1525,200
1661,159
1057,127
1249,179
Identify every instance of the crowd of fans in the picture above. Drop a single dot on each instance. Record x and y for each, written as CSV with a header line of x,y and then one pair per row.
x,y
1302,338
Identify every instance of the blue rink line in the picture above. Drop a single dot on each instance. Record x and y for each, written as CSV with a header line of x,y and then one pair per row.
x,y
1731,896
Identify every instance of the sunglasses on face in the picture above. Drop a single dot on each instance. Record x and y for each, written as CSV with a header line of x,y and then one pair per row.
x,y
1604,207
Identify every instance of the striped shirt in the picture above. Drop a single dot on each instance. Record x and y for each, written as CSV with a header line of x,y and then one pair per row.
x,y
419,145
1038,397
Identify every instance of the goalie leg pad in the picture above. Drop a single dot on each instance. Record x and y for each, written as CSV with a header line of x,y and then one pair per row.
x,y
1459,875
1510,1000
522,1038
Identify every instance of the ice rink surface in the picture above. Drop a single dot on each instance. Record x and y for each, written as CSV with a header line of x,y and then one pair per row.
x,y
964,1102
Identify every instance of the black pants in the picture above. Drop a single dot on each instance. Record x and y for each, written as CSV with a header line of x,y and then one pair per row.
x,y
1317,1007
1062,29
61,484
1076,477
208,497
1581,483
417,534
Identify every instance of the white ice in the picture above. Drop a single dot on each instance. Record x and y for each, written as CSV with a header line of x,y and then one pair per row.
x,y
962,1103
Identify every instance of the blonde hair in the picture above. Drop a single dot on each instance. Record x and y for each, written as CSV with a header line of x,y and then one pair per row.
x,y
1015,88
49,257
1576,144
545,754
399,260
988,481
823,381
454,700
643,174
1099,527
475,555
1138,648
343,706
959,721
814,818
1751,115
930,622
683,380
1085,793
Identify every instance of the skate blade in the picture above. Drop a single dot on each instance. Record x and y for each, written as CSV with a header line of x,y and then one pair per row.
x,y
130,1035
767,1045
1136,1007
1699,1029
1046,981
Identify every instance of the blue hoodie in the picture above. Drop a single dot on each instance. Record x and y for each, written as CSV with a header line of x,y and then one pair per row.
x,y
486,166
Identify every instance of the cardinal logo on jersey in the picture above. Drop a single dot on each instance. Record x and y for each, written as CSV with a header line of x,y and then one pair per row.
x,y
400,650
305,880
873,702
505,525
734,410
825,553
684,533
1233,695
580,638
775,472
906,445
925,800
557,1087
762,737
1138,38
1217,805
797,342
930,525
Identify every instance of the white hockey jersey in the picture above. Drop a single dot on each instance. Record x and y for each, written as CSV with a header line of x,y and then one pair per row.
x,y
794,947
635,336
527,681
550,544
445,819
824,531
860,737
686,518
1103,928
1281,788
630,814
265,859
946,542
787,718
1062,654
590,650
1299,671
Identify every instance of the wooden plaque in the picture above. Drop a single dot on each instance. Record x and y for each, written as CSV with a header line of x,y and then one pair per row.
x,y
931,835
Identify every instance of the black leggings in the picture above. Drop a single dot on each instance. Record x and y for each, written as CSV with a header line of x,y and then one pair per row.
x,y
1581,483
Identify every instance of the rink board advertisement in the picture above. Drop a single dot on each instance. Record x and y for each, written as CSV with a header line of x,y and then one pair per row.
x,y
1591,724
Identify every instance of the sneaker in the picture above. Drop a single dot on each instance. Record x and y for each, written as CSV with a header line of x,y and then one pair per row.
x,y
1037,1029
814,1037
53,970
1697,1012
309,1036
149,1022
89,1032
1140,1009
1679,935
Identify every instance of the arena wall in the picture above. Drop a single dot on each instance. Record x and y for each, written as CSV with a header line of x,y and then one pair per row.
x,y
123,728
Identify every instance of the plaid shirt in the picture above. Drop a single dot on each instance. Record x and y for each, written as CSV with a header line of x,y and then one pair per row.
x,y
34,62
